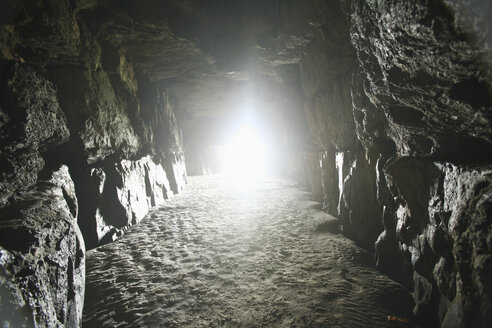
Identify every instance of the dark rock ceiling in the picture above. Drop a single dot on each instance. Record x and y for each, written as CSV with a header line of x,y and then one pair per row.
x,y
212,56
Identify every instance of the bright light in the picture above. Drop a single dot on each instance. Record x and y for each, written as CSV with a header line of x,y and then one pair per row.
x,y
244,156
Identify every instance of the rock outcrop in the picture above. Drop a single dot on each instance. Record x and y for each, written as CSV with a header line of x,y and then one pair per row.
x,y
31,120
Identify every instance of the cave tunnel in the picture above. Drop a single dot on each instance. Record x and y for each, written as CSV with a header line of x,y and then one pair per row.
x,y
262,163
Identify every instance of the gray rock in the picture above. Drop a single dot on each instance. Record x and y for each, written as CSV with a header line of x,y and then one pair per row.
x,y
425,85
96,115
31,120
471,231
42,257
119,195
422,95
330,187
176,171
359,211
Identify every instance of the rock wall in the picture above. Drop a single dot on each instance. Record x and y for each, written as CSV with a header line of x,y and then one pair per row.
x,y
401,115
42,256
89,142
118,195
115,127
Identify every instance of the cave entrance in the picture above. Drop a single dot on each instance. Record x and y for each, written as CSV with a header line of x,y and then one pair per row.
x,y
244,145
245,154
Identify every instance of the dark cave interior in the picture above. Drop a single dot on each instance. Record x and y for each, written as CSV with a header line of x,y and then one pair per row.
x,y
381,109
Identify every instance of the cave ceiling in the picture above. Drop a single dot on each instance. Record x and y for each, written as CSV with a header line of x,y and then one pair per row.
x,y
211,56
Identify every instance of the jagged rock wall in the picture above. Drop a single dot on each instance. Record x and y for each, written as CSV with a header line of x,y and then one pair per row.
x,y
401,116
114,112
31,120
41,248
88,138
426,83
118,195
42,256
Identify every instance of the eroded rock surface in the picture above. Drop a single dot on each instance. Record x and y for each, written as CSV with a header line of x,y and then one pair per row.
x,y
425,88
31,120
118,196
75,86
73,97
42,256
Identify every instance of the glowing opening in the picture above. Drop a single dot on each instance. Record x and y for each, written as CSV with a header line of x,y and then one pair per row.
x,y
245,155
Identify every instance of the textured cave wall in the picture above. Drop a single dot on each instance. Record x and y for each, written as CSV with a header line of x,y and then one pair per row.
x,y
121,123
42,256
41,248
88,144
424,87
398,101
345,173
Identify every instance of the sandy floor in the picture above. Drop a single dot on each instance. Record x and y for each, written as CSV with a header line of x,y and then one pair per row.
x,y
220,255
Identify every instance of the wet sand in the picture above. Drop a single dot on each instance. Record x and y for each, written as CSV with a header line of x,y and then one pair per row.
x,y
225,255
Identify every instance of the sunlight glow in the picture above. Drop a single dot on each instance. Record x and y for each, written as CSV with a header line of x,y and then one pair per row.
x,y
245,155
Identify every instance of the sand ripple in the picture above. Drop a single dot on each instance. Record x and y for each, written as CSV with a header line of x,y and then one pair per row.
x,y
220,255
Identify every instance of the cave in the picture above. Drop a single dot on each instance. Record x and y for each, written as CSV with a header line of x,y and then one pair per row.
x,y
262,163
